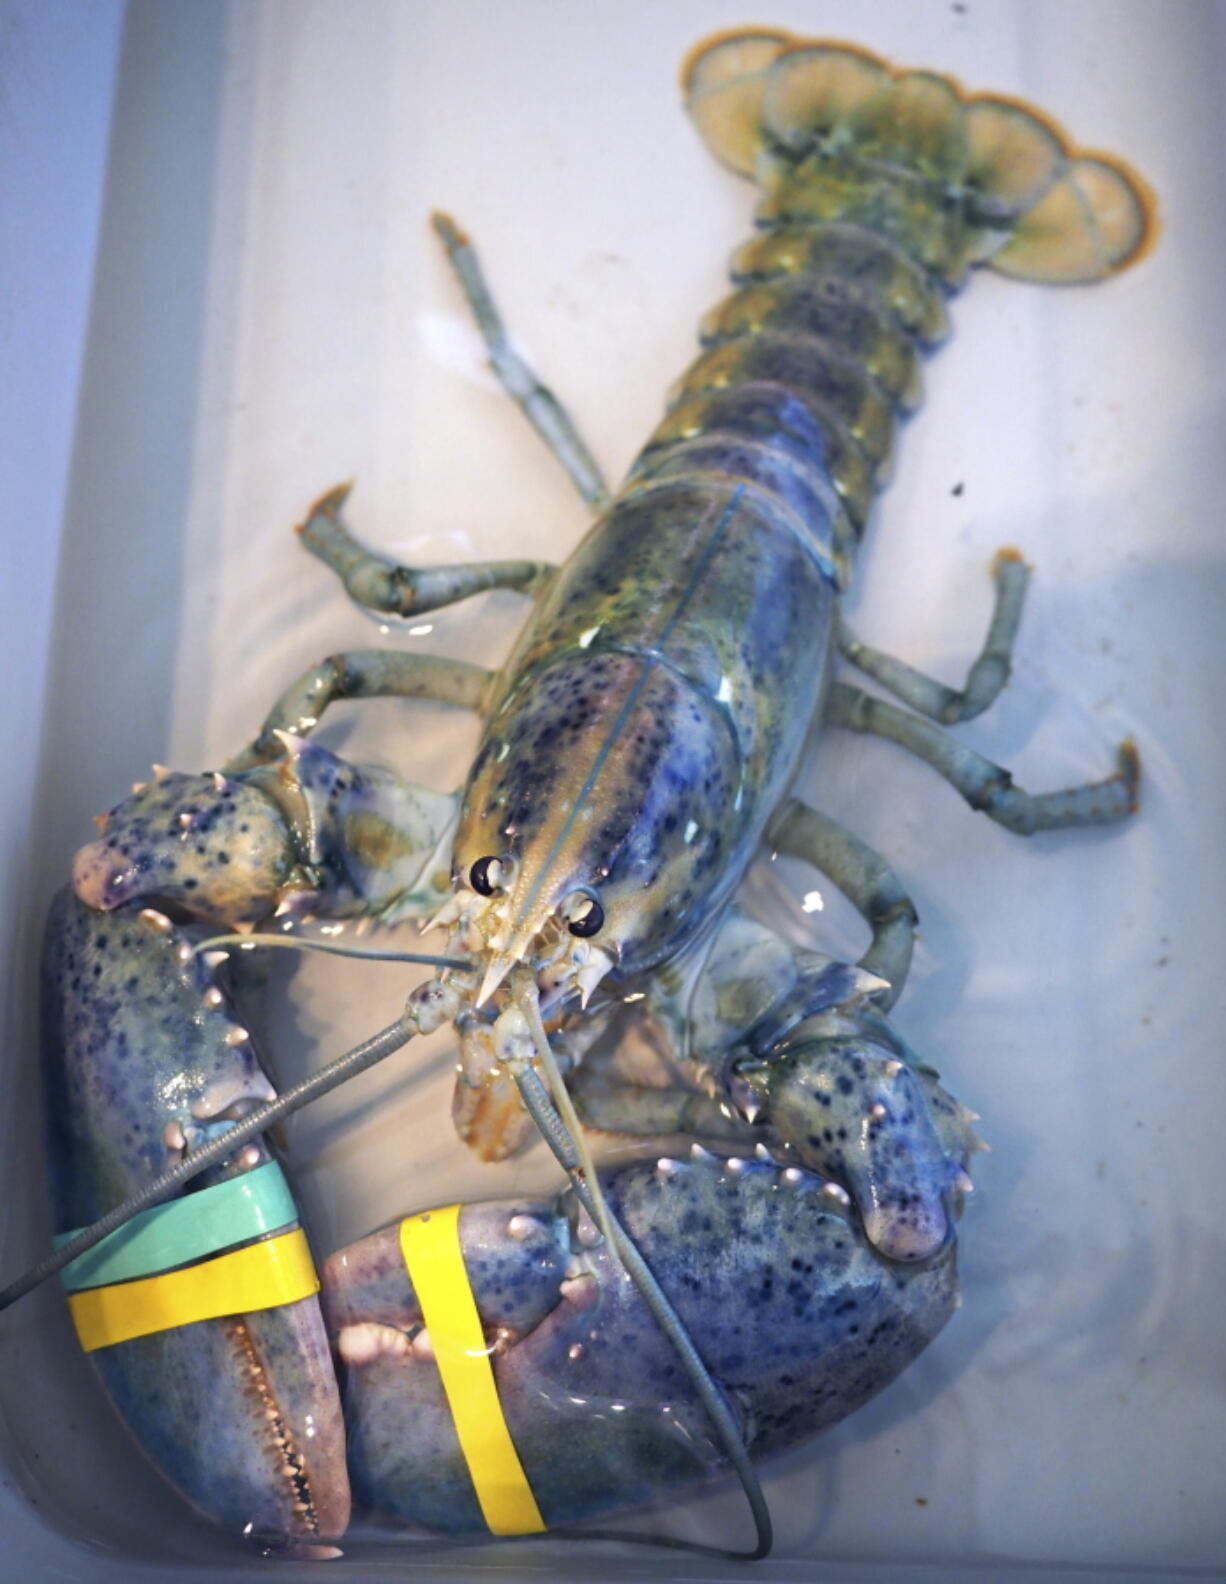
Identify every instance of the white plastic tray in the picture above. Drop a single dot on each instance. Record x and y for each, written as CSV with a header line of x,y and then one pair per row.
x,y
266,313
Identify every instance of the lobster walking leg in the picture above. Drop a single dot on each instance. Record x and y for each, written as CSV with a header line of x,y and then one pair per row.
x,y
361,674
536,401
391,589
986,786
986,677
864,878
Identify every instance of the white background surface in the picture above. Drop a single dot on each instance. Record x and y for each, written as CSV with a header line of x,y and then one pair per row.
x,y
225,298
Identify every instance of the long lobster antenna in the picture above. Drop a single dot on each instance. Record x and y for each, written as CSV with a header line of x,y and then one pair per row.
x,y
564,1136
309,943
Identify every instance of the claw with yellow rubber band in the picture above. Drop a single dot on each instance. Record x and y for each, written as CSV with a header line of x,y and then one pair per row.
x,y
543,1359
201,1315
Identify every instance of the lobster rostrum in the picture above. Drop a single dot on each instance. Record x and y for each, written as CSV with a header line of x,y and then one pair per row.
x,y
524,1365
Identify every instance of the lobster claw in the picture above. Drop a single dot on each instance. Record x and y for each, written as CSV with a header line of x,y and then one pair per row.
x,y
594,1405
212,844
201,1318
797,1046
307,832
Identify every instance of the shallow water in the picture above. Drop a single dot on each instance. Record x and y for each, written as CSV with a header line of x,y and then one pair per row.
x,y
269,314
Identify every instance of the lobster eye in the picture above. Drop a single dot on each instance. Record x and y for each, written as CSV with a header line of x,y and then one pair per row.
x,y
588,920
485,876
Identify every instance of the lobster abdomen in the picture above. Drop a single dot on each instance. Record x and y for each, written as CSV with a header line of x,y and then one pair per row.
x,y
880,189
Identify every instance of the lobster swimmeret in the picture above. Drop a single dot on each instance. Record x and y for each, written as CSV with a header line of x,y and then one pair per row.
x,y
498,1369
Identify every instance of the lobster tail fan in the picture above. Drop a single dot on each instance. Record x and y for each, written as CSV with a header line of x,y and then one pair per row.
x,y
914,122
1014,155
724,80
813,89
1034,207
1063,216
1092,221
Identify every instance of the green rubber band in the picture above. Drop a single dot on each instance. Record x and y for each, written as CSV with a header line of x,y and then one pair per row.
x,y
186,1229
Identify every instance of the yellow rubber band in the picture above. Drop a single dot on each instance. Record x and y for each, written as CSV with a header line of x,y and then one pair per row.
x,y
261,1276
434,1259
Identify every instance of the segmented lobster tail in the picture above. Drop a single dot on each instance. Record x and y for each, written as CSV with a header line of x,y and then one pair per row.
x,y
834,133
880,188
